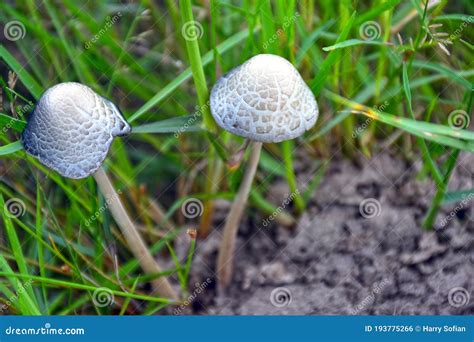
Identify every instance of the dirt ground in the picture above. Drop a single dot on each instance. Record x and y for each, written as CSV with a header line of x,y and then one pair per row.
x,y
358,249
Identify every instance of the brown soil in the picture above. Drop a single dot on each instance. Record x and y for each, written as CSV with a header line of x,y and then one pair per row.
x,y
336,261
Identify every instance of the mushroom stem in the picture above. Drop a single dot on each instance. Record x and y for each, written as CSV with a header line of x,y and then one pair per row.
x,y
132,236
227,248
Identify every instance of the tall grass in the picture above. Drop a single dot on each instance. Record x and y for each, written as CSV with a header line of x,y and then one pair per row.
x,y
54,258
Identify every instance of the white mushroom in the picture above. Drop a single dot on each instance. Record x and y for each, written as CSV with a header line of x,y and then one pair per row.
x,y
70,131
265,100
72,128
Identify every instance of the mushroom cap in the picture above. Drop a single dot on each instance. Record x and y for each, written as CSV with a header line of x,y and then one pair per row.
x,y
265,99
72,128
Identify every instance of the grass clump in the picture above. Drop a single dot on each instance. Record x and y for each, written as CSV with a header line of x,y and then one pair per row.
x,y
384,73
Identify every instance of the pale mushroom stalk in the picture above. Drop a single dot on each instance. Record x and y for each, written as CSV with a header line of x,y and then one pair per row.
x,y
131,234
264,100
227,248
70,131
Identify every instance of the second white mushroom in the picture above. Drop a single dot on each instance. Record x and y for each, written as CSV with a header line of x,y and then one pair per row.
x,y
267,101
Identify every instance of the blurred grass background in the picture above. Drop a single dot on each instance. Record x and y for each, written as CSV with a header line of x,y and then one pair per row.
x,y
388,75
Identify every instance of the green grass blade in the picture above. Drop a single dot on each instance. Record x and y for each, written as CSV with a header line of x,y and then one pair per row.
x,y
39,246
458,196
375,11
426,155
25,304
320,79
7,122
442,69
11,148
187,74
425,130
181,124
353,42
30,83
362,97
197,68
84,287
82,72
17,251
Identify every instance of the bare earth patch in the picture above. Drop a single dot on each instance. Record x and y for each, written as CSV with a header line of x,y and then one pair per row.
x,y
340,259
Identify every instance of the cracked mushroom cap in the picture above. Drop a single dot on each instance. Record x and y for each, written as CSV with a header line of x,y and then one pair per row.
x,y
72,128
265,99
